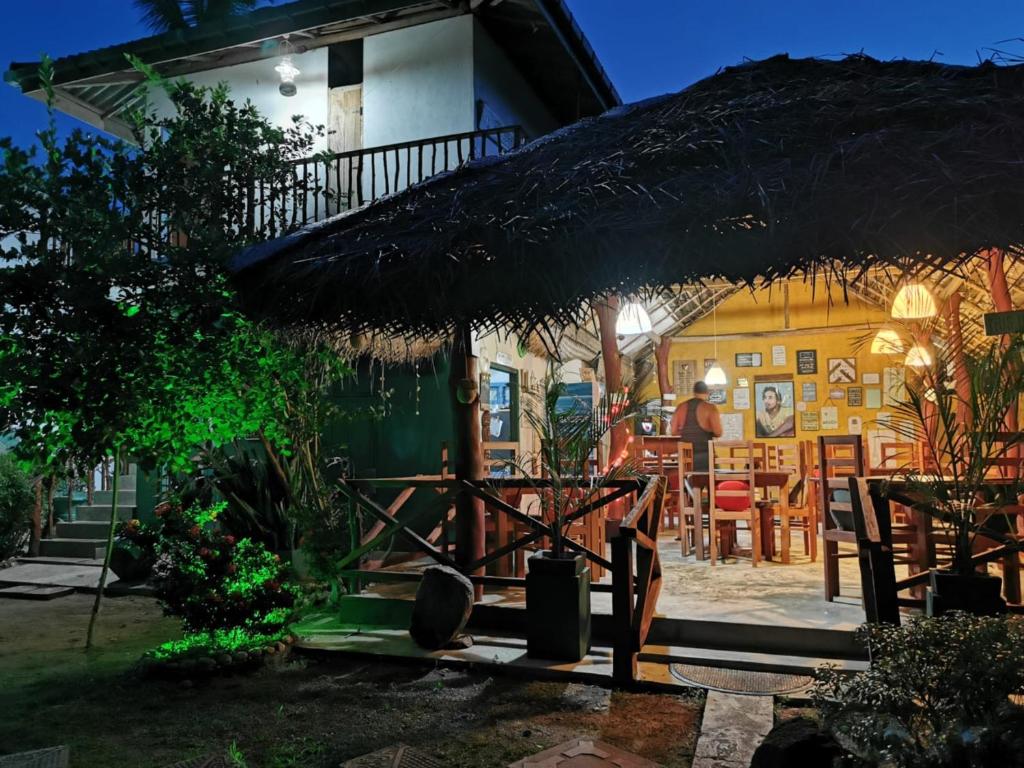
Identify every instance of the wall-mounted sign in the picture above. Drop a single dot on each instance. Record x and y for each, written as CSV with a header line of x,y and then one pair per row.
x,y
806,361
836,393
855,397
809,392
998,323
809,421
748,359
870,378
741,399
778,354
842,370
873,397
717,395
732,426
854,425
741,381
830,417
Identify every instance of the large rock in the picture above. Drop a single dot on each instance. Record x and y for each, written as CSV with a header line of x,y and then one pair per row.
x,y
797,742
443,604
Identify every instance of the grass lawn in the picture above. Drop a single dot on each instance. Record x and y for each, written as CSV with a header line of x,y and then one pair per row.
x,y
301,713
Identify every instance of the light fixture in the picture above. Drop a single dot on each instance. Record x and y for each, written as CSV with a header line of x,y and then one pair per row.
x,y
913,302
288,72
918,357
887,342
715,375
632,320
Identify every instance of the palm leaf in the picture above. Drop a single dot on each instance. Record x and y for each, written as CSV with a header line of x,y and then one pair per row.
x,y
162,15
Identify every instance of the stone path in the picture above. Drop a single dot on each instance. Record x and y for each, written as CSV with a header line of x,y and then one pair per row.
x,y
732,728
584,753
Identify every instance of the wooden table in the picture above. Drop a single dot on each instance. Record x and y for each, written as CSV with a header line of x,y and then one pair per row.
x,y
697,482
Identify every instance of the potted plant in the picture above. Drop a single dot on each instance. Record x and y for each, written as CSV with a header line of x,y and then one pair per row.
x,y
558,579
967,482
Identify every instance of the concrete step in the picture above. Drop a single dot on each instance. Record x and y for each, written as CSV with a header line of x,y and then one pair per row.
x,y
97,513
35,592
746,660
125,496
83,529
96,562
91,548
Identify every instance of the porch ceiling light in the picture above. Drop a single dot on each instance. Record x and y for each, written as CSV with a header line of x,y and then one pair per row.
x,y
913,302
887,342
918,357
632,320
288,72
715,376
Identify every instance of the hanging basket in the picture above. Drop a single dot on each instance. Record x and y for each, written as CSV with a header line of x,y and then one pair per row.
x,y
467,391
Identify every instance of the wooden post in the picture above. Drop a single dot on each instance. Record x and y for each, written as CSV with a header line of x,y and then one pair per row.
x,y
624,655
1003,303
607,313
469,453
668,397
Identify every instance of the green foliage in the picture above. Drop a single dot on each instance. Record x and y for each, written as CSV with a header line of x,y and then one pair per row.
x,y
16,500
570,432
962,434
214,581
166,15
936,693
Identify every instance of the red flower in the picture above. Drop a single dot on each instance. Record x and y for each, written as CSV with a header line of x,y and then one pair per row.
x,y
232,568
229,540
273,586
204,552
194,531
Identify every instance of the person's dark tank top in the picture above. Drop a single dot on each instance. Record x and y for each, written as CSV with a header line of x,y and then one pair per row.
x,y
692,432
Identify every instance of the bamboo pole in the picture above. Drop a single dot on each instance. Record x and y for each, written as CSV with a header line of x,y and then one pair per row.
x,y
106,557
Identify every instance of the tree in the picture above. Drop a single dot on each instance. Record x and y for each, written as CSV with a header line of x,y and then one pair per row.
x,y
115,307
166,15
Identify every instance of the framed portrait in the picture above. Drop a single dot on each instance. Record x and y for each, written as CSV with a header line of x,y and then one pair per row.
x,y
774,407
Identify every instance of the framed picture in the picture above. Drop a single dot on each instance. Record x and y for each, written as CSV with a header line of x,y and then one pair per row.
x,y
809,392
855,397
774,414
806,361
842,370
717,395
684,374
748,359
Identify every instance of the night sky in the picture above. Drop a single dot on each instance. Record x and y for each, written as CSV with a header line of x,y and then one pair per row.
x,y
654,47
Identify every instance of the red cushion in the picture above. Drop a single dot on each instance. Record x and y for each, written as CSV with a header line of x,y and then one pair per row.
x,y
732,503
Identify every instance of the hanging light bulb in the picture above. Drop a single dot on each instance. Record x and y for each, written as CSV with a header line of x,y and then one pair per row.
x,y
288,72
715,375
913,302
918,357
887,342
632,320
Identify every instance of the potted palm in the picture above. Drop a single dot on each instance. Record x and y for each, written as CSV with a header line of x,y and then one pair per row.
x,y
558,580
968,482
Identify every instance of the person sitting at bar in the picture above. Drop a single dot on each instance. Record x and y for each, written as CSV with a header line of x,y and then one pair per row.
x,y
696,421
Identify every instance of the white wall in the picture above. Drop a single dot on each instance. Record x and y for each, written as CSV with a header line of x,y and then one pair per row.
x,y
418,82
507,98
257,82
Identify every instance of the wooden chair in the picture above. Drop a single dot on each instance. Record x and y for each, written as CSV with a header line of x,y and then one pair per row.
x,y
791,459
691,514
898,458
839,457
660,456
732,491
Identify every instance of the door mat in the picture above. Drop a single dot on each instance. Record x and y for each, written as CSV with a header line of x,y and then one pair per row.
x,y
396,756
740,680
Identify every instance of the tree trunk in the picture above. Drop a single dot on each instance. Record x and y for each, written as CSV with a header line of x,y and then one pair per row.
x,y
1003,302
607,313
37,520
668,397
469,452
956,346
106,557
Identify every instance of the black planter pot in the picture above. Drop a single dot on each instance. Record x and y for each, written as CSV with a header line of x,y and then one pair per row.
x,y
129,563
557,607
978,594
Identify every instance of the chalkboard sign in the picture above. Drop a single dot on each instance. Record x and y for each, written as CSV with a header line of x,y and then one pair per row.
x,y
855,397
806,361
748,359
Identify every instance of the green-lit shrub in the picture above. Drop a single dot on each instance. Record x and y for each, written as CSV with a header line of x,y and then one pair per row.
x,y
15,507
212,581
937,693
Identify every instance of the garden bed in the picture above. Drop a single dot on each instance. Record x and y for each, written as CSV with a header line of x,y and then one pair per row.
x,y
295,713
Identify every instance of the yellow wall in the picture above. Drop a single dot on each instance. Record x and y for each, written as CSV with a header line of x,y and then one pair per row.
x,y
814,322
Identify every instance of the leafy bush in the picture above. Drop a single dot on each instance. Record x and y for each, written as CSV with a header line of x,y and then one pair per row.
x,y
937,693
210,579
15,507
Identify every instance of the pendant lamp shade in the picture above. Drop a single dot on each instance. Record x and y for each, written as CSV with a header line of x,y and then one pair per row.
x,y
887,342
632,320
913,302
715,376
918,357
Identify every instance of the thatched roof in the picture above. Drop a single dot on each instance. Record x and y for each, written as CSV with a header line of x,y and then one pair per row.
x,y
762,171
